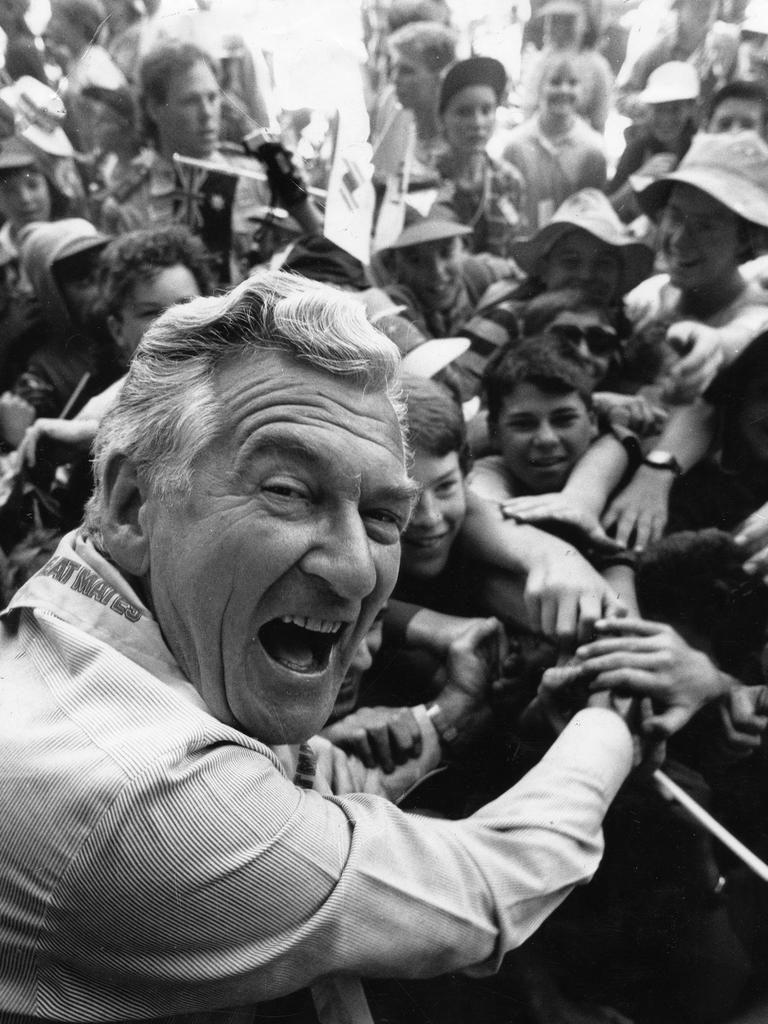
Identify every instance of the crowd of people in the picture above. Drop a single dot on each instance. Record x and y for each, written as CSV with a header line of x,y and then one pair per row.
x,y
351,607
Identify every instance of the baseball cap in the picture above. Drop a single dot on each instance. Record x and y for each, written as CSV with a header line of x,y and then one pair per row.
x,y
675,80
473,71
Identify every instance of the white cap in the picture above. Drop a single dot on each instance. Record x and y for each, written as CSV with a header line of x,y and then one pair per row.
x,y
676,80
432,356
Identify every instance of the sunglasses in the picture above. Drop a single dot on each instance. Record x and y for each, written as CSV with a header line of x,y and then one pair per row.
x,y
601,341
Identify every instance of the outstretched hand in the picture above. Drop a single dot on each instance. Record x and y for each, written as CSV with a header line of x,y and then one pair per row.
x,y
539,509
633,657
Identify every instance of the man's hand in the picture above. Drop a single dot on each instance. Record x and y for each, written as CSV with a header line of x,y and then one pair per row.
x,y
649,659
474,660
638,514
565,596
752,538
16,415
744,717
538,509
701,356
380,737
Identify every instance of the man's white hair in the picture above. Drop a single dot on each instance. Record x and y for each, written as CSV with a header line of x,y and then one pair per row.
x,y
169,412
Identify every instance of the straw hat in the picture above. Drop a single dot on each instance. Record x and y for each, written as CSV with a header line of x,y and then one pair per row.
x,y
732,168
673,81
37,112
474,71
590,211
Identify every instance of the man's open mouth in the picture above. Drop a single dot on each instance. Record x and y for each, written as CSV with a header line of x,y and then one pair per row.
x,y
300,644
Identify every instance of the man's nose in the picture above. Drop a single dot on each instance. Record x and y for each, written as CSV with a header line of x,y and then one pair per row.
x,y
342,557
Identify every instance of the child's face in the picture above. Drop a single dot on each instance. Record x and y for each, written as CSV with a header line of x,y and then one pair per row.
x,y
560,89
699,239
25,197
431,270
668,120
147,300
438,516
542,436
469,118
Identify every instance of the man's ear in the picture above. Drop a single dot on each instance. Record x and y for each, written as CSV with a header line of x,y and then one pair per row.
x,y
124,516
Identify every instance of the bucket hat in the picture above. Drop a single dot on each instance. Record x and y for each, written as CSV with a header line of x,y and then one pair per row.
x,y
590,211
432,228
675,80
732,168
37,114
473,71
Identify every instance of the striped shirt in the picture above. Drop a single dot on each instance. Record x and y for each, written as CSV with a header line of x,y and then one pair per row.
x,y
157,863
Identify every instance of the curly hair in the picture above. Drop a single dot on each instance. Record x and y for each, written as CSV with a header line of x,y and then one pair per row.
x,y
140,255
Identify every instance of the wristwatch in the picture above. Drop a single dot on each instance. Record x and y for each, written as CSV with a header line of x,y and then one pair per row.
x,y
658,459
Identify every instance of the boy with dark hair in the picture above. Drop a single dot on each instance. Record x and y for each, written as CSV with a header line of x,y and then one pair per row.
x,y
740,106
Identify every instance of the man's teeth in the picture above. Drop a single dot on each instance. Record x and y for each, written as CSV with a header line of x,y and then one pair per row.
x,y
316,625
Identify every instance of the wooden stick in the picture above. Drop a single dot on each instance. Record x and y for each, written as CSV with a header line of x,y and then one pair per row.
x,y
712,825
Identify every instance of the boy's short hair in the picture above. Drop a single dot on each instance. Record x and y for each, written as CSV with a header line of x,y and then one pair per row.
x,y
435,419
739,89
139,255
542,360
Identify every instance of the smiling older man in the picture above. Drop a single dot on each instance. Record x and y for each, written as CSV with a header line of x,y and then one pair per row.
x,y
165,846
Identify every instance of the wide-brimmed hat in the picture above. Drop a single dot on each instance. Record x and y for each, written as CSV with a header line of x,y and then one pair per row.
x,y
433,228
15,154
588,210
37,114
473,71
676,80
730,167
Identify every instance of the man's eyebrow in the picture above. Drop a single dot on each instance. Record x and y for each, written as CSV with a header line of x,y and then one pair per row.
x,y
312,455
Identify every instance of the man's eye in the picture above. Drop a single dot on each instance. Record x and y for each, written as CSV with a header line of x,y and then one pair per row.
x,y
565,420
384,525
446,489
286,489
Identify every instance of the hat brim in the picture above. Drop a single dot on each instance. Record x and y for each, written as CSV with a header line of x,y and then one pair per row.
x,y
434,355
82,245
742,197
427,231
53,143
636,258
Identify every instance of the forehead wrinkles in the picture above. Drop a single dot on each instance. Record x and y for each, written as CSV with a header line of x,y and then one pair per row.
x,y
252,405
